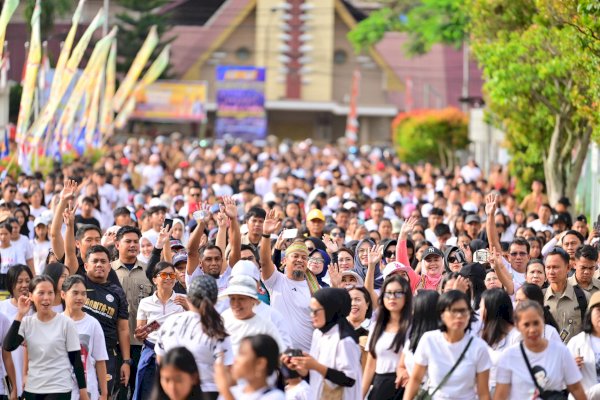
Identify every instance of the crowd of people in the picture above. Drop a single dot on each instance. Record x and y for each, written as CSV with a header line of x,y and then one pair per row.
x,y
171,270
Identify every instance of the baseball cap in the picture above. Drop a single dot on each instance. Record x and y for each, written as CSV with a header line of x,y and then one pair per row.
x,y
157,202
359,280
349,205
393,268
472,218
315,214
245,268
179,258
39,221
431,250
241,285
176,244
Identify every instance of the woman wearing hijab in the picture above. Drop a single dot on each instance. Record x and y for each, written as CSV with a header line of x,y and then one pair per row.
x,y
318,264
334,360
361,262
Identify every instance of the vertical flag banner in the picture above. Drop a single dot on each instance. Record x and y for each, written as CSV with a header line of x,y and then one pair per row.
x,y
8,9
157,68
241,102
92,115
92,69
352,122
135,70
106,112
33,63
4,67
39,127
65,52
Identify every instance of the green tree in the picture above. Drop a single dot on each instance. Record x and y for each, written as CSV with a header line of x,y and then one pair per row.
x,y
49,11
134,25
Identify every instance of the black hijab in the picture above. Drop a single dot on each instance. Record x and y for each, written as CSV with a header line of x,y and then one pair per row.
x,y
336,304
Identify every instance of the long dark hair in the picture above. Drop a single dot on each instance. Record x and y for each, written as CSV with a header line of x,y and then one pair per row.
x,y
12,276
264,346
498,315
383,316
212,322
424,320
182,359
55,271
445,302
534,293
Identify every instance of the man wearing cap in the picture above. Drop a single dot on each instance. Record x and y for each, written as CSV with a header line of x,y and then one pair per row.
x,y
567,303
290,293
586,264
240,318
473,225
315,223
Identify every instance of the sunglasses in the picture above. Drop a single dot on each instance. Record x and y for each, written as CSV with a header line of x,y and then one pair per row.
x,y
167,275
398,294
389,254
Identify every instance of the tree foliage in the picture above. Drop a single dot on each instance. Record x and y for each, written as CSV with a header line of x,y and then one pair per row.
x,y
49,11
134,25
432,135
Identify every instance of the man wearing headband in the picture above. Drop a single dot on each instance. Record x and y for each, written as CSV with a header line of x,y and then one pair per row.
x,y
289,291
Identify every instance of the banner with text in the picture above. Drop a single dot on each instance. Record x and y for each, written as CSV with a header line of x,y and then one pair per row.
x,y
171,101
241,102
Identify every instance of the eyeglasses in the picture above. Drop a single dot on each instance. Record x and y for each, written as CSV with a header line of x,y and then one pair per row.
x,y
518,254
336,234
389,254
398,294
316,260
167,275
458,312
500,226
314,311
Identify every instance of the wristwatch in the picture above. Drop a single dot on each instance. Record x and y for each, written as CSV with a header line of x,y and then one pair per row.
x,y
129,361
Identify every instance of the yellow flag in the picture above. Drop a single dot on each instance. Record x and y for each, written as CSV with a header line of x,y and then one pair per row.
x,y
30,81
92,117
92,70
8,10
66,74
136,69
65,52
157,68
106,113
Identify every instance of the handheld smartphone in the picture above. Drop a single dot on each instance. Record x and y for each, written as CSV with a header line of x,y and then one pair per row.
x,y
293,353
481,256
168,223
290,233
597,224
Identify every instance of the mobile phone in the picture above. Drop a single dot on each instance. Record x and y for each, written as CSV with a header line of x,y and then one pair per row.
x,y
168,223
597,224
293,353
214,208
481,256
290,233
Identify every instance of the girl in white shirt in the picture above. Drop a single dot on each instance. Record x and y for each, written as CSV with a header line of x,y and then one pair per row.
x,y
439,350
549,362
530,291
91,337
387,337
585,348
498,329
154,310
41,245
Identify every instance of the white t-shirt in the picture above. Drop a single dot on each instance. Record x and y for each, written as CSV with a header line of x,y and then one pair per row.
x,y
10,311
40,252
554,368
595,341
387,359
262,394
239,329
11,255
298,392
93,348
152,174
4,325
48,345
439,355
22,244
292,299
519,279
222,282
185,330
277,319
36,212
496,351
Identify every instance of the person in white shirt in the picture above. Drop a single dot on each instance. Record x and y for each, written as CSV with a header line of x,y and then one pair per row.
x,y
40,244
152,311
91,338
585,348
290,292
440,350
536,366
9,254
200,330
240,319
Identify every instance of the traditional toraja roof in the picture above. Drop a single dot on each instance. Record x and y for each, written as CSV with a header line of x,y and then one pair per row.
x,y
193,41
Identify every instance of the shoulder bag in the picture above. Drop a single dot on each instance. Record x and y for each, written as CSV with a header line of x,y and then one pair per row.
x,y
544,394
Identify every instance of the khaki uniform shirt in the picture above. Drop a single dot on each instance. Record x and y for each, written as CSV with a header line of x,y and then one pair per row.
x,y
593,288
565,310
136,286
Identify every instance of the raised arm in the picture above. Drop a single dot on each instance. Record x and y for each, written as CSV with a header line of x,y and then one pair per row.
x,y
193,247
235,237
270,226
221,239
374,255
69,250
56,239
491,204
402,251
503,275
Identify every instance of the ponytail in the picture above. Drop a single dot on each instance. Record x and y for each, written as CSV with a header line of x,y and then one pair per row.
x,y
212,322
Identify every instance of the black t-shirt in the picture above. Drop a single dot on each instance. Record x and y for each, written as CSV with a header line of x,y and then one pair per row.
x,y
107,303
